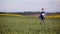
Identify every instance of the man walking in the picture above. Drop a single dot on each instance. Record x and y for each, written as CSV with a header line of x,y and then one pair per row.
x,y
42,16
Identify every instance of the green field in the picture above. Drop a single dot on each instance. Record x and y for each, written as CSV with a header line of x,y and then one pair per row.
x,y
28,25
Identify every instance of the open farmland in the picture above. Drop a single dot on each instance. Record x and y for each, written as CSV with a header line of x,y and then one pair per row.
x,y
10,24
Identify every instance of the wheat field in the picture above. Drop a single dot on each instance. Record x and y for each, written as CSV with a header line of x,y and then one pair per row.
x,y
18,24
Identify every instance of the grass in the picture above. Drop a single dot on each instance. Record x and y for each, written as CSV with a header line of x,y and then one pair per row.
x,y
28,25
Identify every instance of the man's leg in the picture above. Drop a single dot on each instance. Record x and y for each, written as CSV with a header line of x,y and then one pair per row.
x,y
43,21
40,21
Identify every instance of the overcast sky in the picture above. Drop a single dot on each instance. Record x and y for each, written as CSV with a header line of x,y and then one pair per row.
x,y
29,5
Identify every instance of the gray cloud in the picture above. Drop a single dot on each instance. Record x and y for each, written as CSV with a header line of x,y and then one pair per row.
x,y
33,5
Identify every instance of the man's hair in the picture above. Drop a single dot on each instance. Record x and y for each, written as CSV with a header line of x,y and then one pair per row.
x,y
42,9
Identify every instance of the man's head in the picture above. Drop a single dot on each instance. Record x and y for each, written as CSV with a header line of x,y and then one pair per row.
x,y
42,9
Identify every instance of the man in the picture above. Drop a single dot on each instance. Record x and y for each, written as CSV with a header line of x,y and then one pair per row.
x,y
42,16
